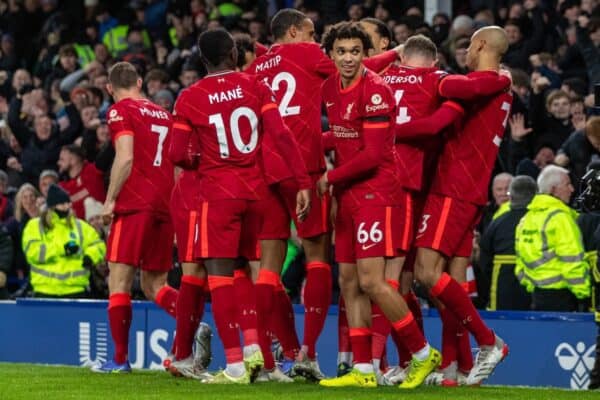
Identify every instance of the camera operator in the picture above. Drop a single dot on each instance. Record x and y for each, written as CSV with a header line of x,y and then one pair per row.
x,y
589,222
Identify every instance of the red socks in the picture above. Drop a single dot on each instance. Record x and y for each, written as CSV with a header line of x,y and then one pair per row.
x,y
119,317
265,291
343,329
190,308
360,338
409,333
246,305
415,308
166,298
380,326
224,313
449,340
317,297
464,353
283,323
458,302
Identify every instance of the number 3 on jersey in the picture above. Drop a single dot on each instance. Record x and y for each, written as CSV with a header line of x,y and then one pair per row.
x,y
234,128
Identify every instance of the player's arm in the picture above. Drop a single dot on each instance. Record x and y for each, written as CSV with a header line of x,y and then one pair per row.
x,y
471,87
374,130
328,140
381,61
120,171
444,116
183,149
286,143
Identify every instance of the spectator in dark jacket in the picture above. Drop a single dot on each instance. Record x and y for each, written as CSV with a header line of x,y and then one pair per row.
x,y
580,149
522,45
588,41
42,150
497,282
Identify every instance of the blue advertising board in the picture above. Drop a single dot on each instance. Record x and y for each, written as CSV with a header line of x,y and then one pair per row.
x,y
546,349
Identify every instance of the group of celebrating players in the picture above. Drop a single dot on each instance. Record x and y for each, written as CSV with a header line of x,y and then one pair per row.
x,y
413,151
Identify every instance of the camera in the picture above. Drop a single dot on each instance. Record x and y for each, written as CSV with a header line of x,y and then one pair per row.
x,y
589,198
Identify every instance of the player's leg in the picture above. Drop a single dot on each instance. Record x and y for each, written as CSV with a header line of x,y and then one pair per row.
x,y
316,241
157,260
124,246
358,312
450,219
344,359
120,281
464,356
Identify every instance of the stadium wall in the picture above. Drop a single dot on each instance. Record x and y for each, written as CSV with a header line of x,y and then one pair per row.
x,y
546,349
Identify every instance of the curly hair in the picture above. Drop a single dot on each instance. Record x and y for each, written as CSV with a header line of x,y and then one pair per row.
x,y
345,30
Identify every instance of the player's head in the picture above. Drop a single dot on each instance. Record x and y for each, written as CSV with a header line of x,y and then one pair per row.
x,y
420,52
218,50
487,47
380,34
123,78
347,44
292,26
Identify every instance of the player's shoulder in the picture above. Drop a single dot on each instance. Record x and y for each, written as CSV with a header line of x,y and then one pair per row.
x,y
374,82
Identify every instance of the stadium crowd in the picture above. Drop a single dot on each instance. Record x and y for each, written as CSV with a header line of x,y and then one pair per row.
x,y
56,149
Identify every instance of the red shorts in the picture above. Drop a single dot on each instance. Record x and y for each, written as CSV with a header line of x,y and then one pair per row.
x,y
185,222
228,228
275,218
447,226
364,231
317,222
142,239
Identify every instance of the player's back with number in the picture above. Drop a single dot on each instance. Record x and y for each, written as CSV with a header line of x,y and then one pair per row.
x,y
225,110
416,94
465,166
149,184
295,73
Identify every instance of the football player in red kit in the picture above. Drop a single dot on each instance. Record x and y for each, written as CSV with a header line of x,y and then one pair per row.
x,y
367,186
459,191
229,113
295,68
137,201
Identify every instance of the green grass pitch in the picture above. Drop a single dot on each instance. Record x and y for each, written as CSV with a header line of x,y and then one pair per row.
x,y
31,382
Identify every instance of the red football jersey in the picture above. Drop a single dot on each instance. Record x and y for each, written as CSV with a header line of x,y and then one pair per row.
x,y
361,120
187,189
416,94
295,73
229,112
89,183
148,187
467,160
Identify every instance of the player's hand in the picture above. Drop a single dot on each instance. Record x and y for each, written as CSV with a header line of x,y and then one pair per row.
x,y
302,204
322,185
399,51
108,211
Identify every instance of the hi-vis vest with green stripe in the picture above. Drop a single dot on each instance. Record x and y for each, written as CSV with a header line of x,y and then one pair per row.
x,y
549,249
52,271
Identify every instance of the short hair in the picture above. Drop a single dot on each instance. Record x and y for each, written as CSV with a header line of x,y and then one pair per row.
x,y
521,190
520,78
157,74
550,177
284,20
514,22
577,85
502,175
215,45
592,127
77,151
382,28
123,75
243,43
67,50
49,172
346,30
555,95
420,45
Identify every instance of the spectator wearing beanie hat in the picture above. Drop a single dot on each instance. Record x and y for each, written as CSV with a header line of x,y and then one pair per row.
x,y
61,249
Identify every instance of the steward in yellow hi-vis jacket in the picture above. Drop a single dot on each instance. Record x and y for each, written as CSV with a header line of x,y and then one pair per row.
x,y
551,261
61,249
